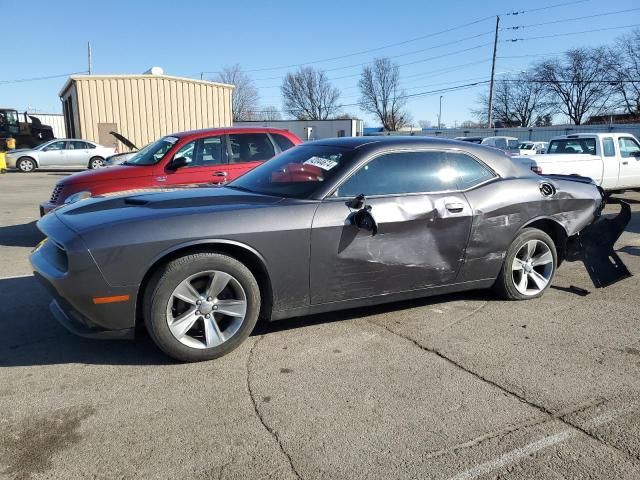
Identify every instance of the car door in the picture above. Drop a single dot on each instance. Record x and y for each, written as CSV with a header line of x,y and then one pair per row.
x,y
52,154
423,218
629,151
206,158
247,151
76,153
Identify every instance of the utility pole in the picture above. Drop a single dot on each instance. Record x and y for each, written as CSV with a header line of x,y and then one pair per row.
x,y
89,59
493,71
440,113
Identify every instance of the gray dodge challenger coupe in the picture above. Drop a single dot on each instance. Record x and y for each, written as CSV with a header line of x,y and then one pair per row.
x,y
327,225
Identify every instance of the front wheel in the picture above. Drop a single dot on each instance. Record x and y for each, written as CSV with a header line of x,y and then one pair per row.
x,y
26,165
96,162
201,306
529,266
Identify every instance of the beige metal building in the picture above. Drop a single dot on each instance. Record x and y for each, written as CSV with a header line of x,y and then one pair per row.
x,y
141,107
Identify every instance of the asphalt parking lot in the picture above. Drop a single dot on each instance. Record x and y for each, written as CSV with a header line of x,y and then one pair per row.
x,y
461,386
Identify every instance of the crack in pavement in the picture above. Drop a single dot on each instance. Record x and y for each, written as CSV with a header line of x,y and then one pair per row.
x,y
513,428
464,317
256,410
541,408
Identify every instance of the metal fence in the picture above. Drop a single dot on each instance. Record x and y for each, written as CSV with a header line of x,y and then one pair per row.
x,y
523,134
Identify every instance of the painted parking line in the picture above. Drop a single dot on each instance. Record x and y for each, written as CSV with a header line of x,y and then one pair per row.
x,y
522,452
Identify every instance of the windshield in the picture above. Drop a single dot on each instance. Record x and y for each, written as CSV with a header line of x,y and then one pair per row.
x,y
297,173
152,153
526,146
9,117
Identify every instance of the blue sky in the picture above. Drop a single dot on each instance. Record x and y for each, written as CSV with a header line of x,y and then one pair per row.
x,y
191,36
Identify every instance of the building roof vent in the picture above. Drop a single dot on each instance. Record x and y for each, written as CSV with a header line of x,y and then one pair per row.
x,y
154,71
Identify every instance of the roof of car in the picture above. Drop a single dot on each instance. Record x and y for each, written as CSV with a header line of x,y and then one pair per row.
x,y
357,142
496,159
223,130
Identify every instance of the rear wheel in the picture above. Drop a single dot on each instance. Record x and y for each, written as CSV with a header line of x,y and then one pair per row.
x,y
201,306
96,162
26,165
529,266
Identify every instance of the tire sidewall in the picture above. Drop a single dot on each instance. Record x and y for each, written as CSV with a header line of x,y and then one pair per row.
x,y
163,285
506,286
98,160
26,160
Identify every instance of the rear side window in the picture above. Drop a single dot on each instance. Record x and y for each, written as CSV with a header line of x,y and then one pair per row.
x,y
415,172
470,172
251,147
608,147
76,145
573,145
283,142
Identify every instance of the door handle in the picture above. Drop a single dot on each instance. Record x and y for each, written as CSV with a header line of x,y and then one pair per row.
x,y
454,207
625,163
220,174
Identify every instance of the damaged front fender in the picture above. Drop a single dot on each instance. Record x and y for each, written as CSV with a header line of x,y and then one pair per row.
x,y
593,245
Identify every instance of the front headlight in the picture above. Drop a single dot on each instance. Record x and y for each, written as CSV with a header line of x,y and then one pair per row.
x,y
76,197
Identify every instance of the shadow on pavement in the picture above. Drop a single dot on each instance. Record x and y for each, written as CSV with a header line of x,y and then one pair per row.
x,y
630,250
31,336
264,328
24,235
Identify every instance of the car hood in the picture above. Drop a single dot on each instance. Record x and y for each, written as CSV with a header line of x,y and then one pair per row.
x,y
119,172
21,151
102,212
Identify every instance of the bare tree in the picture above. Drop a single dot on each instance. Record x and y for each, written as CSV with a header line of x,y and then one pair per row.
x,y
424,123
308,95
382,95
578,82
625,71
518,100
244,99
268,113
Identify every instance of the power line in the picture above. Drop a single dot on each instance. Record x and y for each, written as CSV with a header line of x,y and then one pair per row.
x,y
404,42
402,64
571,19
549,7
446,44
512,40
361,52
420,94
35,79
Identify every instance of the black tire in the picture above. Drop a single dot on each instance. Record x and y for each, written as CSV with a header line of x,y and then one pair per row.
x,y
26,165
96,162
505,285
159,291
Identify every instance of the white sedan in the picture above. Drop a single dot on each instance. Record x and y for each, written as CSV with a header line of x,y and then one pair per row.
x,y
59,153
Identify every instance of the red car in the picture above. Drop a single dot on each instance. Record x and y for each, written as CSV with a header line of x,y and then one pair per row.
x,y
198,157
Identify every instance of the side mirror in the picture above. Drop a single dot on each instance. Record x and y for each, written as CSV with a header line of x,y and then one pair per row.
x,y
179,162
364,219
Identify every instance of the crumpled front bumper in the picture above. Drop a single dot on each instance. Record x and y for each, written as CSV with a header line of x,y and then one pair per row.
x,y
594,244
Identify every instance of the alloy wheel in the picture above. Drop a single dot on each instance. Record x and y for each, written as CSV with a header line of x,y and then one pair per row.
x,y
532,267
26,165
206,309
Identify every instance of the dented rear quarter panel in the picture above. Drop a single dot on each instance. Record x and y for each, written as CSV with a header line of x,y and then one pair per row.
x,y
501,209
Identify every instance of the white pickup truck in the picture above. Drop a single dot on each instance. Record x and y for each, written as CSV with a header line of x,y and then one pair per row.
x,y
611,160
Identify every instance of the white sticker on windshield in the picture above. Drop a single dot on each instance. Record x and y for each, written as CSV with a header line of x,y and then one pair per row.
x,y
323,163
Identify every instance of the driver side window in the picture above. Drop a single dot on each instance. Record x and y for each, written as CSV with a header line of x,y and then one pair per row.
x,y
628,147
54,146
415,172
